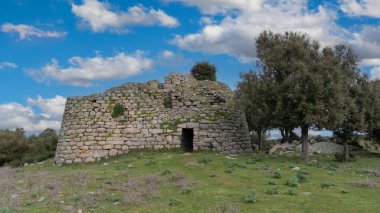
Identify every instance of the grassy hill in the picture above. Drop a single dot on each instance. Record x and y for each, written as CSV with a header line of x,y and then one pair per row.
x,y
171,181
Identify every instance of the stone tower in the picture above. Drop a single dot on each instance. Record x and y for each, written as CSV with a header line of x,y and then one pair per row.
x,y
180,113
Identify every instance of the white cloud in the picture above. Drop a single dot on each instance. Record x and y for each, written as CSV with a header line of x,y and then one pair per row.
x,y
206,20
100,17
361,7
168,58
15,115
244,20
83,71
375,73
213,7
27,31
6,64
53,107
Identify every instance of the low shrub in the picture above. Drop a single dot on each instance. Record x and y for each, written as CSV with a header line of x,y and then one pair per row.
x,y
118,110
205,160
271,182
277,174
150,163
291,192
327,184
292,182
166,172
273,190
250,161
174,202
228,170
302,176
250,196
186,190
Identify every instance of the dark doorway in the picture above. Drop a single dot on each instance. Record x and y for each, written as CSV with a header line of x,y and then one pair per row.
x,y
187,140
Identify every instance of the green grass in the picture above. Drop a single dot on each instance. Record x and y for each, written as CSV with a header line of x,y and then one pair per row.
x,y
169,181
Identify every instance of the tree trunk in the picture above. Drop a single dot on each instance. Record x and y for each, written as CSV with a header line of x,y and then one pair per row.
x,y
285,135
346,152
260,140
305,143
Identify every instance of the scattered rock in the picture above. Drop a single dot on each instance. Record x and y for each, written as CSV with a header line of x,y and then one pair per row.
x,y
296,168
276,149
306,193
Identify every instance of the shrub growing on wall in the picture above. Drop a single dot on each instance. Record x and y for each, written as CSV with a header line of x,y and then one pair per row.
x,y
118,110
204,71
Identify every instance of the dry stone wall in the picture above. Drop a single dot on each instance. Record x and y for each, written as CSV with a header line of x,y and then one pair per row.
x,y
155,114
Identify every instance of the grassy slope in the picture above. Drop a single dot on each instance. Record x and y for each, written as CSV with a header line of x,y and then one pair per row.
x,y
112,187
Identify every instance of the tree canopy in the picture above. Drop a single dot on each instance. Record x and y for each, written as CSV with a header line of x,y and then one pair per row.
x,y
204,71
308,84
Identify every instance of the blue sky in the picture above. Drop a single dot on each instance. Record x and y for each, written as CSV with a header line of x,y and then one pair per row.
x,y
52,49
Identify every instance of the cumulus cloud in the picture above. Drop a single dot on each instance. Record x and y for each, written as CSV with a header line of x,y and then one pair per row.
x,y
168,58
27,31
375,73
6,64
366,43
15,115
52,108
84,71
100,17
244,20
214,7
361,7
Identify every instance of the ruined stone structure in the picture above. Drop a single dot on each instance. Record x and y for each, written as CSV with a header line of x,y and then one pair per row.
x,y
180,113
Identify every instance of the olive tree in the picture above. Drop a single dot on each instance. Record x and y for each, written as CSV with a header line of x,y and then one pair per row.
x,y
254,97
204,71
307,80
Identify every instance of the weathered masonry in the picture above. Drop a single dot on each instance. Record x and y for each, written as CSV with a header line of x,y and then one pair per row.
x,y
180,113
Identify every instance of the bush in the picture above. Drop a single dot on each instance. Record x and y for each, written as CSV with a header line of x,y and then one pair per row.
x,y
327,184
166,172
250,196
17,149
293,182
277,175
174,202
204,71
205,159
271,182
186,190
273,190
118,110
228,170
292,192
168,101
302,176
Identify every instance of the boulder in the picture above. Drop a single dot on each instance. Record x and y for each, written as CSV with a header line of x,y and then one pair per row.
x,y
370,146
315,148
281,148
322,148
